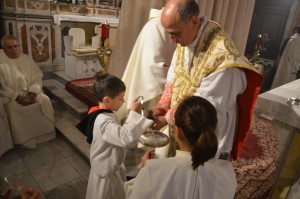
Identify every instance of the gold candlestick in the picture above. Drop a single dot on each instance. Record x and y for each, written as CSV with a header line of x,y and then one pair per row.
x,y
104,53
256,52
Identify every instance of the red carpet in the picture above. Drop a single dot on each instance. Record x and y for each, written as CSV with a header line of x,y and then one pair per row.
x,y
83,90
255,169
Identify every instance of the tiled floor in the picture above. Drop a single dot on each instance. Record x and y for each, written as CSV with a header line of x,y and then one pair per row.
x,y
53,168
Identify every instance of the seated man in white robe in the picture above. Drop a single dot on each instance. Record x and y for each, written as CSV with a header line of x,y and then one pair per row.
x,y
29,111
5,135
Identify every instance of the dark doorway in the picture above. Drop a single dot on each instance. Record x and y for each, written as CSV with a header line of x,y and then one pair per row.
x,y
269,16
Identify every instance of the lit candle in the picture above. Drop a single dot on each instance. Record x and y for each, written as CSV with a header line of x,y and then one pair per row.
x,y
258,42
105,31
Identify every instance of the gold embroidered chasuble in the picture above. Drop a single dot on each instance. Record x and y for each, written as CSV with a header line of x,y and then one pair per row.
x,y
214,51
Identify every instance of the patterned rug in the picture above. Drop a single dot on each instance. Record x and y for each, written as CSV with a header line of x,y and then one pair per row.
x,y
83,90
255,169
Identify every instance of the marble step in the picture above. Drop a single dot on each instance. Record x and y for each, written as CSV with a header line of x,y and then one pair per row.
x,y
68,112
56,91
65,123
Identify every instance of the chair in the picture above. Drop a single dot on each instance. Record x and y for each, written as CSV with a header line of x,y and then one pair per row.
x,y
81,60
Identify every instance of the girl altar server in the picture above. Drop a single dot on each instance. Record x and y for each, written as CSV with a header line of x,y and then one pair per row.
x,y
194,172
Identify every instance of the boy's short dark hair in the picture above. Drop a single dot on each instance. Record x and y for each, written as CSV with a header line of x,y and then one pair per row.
x,y
108,85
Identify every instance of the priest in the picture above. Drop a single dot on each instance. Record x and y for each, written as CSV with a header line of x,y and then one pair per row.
x,y
206,63
147,67
29,111
289,64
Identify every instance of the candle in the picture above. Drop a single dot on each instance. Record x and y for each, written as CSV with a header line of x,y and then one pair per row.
x,y
105,31
258,42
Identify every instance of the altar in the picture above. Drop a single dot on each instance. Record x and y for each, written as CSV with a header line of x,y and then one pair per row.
x,y
286,123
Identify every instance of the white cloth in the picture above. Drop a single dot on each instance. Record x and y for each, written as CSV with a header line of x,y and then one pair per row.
x,y
221,89
294,192
19,76
5,135
147,68
175,178
289,62
108,150
128,30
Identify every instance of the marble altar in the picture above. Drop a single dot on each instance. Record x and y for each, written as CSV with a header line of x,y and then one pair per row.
x,y
286,124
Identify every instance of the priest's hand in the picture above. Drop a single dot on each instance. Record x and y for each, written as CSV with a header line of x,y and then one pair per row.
x,y
159,122
156,112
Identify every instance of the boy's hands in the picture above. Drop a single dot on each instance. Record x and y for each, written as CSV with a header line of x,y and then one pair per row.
x,y
136,105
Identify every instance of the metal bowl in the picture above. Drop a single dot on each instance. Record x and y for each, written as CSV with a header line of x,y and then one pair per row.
x,y
153,138
293,101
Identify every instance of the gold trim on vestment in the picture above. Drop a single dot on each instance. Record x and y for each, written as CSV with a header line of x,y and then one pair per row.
x,y
214,51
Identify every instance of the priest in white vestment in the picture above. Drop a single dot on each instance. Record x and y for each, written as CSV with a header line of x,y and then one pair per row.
x,y
29,111
147,68
289,63
206,63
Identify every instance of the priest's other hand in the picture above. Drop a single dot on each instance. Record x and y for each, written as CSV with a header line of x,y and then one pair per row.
x,y
155,112
159,122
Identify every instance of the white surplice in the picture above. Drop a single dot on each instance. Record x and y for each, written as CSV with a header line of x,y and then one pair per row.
x,y
147,68
5,135
29,124
289,62
108,151
221,89
175,178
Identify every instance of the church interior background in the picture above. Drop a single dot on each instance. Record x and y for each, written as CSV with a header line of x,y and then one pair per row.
x,y
62,35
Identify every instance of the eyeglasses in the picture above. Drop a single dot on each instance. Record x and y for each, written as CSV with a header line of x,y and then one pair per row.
x,y
11,47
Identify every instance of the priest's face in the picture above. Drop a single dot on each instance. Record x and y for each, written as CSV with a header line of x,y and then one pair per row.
x,y
181,32
11,48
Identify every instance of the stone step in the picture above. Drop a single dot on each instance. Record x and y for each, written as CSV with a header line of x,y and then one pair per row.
x,y
68,112
65,123
56,91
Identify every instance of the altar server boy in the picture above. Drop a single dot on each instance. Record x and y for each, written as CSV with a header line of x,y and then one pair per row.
x,y
110,139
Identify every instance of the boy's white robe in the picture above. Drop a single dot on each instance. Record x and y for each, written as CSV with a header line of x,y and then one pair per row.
x,y
108,151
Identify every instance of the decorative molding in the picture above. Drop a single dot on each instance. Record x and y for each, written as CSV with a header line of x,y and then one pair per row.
x,y
48,8
9,4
